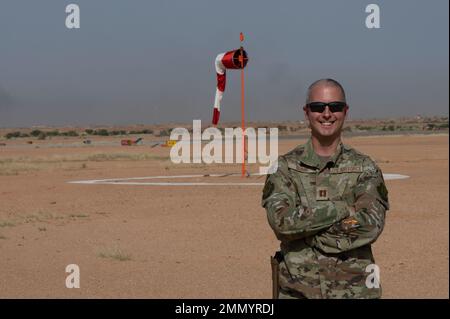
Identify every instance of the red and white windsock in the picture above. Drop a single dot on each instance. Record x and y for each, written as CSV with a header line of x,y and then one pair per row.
x,y
236,59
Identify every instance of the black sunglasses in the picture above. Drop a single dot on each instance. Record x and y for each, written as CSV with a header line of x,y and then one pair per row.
x,y
319,107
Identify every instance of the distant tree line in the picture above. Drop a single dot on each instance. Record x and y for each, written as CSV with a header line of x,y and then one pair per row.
x,y
439,123
105,132
42,135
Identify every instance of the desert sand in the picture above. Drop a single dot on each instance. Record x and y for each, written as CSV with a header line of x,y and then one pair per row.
x,y
144,241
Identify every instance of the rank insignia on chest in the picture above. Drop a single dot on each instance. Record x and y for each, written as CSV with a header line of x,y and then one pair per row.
x,y
322,193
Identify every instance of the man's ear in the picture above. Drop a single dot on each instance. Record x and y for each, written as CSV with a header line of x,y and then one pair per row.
x,y
346,111
305,112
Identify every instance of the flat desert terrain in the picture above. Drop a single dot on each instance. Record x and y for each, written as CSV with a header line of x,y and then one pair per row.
x,y
193,241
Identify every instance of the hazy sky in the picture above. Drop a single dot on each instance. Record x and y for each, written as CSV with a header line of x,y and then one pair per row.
x,y
143,62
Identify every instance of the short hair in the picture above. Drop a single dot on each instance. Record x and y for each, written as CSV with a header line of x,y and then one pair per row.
x,y
326,82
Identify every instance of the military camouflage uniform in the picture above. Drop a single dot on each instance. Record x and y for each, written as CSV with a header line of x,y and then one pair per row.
x,y
326,215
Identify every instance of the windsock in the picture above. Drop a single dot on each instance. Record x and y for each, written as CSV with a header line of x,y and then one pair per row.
x,y
236,59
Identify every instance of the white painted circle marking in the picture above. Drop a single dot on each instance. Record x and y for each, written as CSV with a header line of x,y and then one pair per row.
x,y
123,181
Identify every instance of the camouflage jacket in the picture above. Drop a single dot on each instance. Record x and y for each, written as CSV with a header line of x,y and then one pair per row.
x,y
326,215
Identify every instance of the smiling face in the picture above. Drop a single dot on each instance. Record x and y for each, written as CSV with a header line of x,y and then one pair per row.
x,y
326,125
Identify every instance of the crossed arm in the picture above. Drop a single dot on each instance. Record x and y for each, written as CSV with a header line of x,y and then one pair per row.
x,y
331,226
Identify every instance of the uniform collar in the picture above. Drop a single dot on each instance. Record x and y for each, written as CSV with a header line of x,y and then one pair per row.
x,y
310,158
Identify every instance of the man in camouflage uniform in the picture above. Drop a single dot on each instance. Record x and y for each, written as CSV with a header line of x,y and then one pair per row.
x,y
326,203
